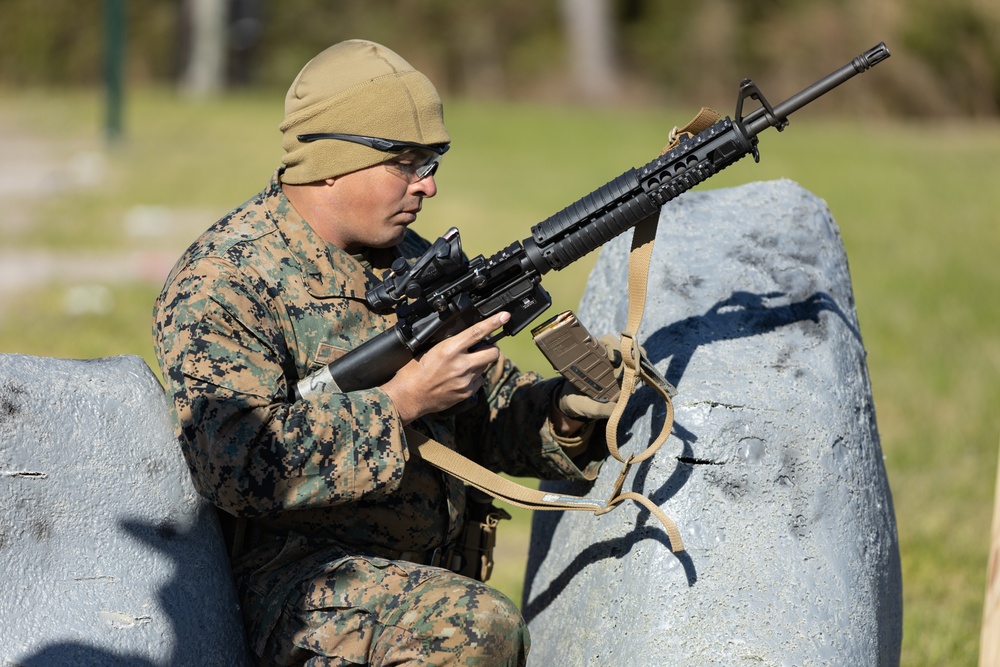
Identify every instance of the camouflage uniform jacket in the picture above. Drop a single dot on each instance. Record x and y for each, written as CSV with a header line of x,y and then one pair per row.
x,y
259,302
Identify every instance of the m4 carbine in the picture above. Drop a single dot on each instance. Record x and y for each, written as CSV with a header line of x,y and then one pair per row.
x,y
442,292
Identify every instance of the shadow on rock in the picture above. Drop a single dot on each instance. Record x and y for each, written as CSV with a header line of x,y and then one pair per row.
x,y
741,315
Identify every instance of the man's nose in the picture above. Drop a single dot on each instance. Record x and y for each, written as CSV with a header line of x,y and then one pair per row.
x,y
426,186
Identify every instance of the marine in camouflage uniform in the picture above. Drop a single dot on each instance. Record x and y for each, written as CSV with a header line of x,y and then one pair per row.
x,y
344,518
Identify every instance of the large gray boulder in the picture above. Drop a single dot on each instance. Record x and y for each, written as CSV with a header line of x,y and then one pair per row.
x,y
774,471
109,556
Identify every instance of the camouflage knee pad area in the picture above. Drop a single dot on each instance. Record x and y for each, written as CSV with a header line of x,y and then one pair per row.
x,y
375,611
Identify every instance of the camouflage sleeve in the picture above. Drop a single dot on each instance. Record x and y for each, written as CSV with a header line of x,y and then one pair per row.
x,y
251,450
512,432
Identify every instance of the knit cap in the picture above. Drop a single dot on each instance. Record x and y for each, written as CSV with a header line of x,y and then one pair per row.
x,y
355,87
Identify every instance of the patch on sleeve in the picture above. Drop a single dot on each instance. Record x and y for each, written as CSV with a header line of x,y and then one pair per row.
x,y
326,353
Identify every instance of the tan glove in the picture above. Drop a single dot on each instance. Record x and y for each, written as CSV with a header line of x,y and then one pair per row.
x,y
612,345
575,405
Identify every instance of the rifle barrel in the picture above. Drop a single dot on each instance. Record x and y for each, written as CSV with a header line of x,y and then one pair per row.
x,y
757,122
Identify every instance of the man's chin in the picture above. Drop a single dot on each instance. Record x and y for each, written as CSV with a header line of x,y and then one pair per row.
x,y
392,239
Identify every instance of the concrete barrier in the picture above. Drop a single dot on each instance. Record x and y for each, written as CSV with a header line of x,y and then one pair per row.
x,y
774,471
109,556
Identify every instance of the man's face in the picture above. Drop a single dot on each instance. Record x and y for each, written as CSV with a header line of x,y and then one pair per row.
x,y
374,206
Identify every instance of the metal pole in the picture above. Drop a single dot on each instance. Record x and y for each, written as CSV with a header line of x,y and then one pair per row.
x,y
114,56
989,637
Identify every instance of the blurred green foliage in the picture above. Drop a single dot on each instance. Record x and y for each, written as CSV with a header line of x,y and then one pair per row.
x,y
915,203
946,54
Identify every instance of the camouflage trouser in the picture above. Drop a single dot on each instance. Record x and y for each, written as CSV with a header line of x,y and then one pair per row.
x,y
372,611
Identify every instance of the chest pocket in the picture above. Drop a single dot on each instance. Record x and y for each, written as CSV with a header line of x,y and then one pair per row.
x,y
345,330
337,319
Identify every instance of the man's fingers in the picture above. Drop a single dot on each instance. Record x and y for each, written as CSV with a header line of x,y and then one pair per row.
x,y
489,325
483,356
479,331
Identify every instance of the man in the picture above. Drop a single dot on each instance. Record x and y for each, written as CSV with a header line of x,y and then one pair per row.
x,y
344,524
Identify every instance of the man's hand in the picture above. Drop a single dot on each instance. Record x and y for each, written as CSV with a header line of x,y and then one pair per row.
x,y
572,409
577,406
446,374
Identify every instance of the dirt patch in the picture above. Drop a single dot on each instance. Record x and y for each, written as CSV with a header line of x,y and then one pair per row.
x,y
34,170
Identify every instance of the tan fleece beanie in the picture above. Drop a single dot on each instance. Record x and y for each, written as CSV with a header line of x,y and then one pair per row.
x,y
355,87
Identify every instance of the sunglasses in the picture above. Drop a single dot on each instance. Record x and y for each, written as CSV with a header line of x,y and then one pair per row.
x,y
412,169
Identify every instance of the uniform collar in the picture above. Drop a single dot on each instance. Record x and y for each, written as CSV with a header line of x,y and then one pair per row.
x,y
326,269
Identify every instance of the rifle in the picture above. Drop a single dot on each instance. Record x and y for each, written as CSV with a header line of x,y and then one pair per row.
x,y
442,292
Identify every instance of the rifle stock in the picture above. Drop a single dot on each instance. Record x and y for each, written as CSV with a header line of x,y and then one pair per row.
x,y
442,292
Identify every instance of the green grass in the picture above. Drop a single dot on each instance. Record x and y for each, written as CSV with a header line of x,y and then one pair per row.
x,y
916,205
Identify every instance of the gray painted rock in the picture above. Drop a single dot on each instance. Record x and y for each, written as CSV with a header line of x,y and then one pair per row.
x,y
109,556
774,471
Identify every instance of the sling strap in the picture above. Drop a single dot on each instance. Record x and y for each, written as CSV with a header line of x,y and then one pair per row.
x,y
501,488
704,119
638,279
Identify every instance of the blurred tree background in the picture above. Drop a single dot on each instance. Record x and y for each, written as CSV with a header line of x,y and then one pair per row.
x,y
946,56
